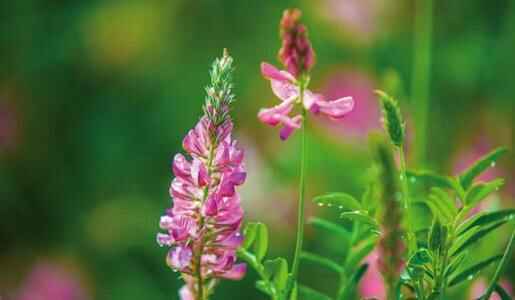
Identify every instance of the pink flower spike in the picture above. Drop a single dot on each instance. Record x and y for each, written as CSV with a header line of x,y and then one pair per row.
x,y
185,293
336,109
236,272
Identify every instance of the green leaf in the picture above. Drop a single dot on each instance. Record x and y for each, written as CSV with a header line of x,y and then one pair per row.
x,y
447,204
429,178
471,272
350,287
467,177
481,190
331,227
500,268
322,261
361,217
294,291
307,293
416,262
358,254
260,245
420,258
339,200
502,292
277,270
483,219
455,263
437,236
249,232
263,286
473,238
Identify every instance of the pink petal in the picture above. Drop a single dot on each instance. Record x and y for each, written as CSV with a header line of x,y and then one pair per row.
x,y
289,126
284,90
237,272
310,101
179,257
164,239
270,72
185,293
271,116
336,109
181,166
199,173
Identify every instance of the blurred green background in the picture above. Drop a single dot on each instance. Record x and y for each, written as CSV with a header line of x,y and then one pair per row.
x,y
95,97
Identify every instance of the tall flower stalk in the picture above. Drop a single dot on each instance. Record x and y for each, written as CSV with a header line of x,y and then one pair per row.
x,y
203,225
291,87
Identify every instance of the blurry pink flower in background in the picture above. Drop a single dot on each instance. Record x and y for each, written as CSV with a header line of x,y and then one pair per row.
x,y
479,287
365,114
47,281
372,284
356,17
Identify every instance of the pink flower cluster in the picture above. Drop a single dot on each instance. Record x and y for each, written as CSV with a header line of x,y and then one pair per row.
x,y
298,56
296,53
286,88
203,226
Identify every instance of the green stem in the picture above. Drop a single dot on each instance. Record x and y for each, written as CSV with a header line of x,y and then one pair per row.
x,y
420,75
502,264
198,267
406,201
300,213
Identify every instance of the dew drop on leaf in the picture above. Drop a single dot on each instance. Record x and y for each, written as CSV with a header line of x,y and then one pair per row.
x,y
340,207
413,179
492,164
320,204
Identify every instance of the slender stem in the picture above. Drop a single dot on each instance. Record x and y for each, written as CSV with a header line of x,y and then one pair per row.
x,y
300,213
502,264
406,201
198,267
420,74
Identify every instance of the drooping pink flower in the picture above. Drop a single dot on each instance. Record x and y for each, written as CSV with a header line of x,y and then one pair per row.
x,y
285,87
479,287
202,228
48,281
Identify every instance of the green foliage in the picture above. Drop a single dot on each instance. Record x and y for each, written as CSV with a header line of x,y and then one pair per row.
x,y
452,235
471,272
393,121
322,261
430,178
331,227
360,217
308,293
480,166
480,191
339,200
273,272
502,265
